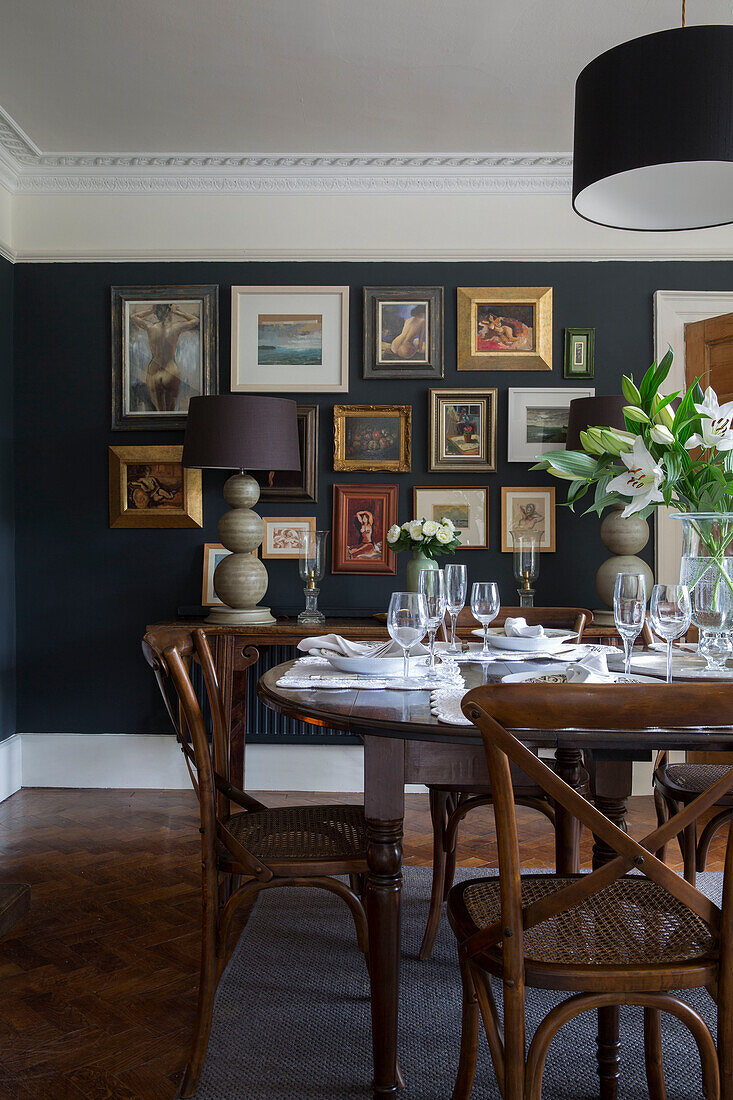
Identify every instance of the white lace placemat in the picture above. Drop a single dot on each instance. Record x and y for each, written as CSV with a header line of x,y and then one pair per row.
x,y
445,703
501,656
316,672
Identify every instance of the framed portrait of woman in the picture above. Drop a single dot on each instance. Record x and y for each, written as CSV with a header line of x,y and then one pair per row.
x,y
403,332
362,516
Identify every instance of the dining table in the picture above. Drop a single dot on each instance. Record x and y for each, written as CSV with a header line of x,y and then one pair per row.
x,y
405,742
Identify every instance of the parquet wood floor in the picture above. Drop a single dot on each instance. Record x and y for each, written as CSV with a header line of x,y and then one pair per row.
x,y
98,981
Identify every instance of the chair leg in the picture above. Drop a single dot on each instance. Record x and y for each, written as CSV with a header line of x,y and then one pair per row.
x,y
469,1035
689,852
653,1054
438,803
660,805
207,989
703,844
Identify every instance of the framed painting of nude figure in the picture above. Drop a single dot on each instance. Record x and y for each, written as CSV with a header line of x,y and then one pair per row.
x,y
164,352
504,328
362,516
403,332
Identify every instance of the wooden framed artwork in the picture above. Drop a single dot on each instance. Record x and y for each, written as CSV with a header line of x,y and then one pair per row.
x,y
528,508
164,352
290,339
403,332
463,430
467,507
504,328
213,553
372,437
295,484
149,487
538,420
580,353
283,535
362,515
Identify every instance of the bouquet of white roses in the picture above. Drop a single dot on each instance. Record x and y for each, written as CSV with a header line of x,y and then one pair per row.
x,y
426,535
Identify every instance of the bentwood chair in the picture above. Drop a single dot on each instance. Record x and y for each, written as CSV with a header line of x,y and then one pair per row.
x,y
253,848
450,804
607,937
675,786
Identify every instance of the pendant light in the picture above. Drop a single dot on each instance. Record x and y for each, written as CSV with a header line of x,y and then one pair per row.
x,y
653,147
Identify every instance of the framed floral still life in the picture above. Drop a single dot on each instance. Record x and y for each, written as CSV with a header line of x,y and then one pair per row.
x,y
362,516
504,328
149,487
466,507
403,332
463,430
538,420
164,352
580,350
372,437
295,484
283,535
531,510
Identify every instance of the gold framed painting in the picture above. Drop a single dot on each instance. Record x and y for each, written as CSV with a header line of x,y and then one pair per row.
x,y
149,487
283,535
372,437
463,430
530,509
504,328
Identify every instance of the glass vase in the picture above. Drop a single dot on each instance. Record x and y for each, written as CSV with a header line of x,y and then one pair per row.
x,y
311,564
526,546
417,562
707,570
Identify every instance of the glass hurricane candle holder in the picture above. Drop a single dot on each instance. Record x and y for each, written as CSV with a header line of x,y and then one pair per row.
x,y
311,564
526,546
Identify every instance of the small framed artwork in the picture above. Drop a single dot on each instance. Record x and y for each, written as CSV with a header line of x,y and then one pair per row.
x,y
466,507
213,553
362,516
403,332
528,509
538,420
295,484
283,535
372,437
504,328
580,353
164,352
463,430
290,339
149,487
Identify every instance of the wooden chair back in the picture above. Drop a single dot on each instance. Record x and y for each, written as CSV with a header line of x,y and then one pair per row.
x,y
570,618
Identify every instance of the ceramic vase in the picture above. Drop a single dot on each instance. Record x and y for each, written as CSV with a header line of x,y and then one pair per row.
x,y
417,562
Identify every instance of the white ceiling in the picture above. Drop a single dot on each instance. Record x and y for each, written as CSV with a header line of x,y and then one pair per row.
x,y
310,76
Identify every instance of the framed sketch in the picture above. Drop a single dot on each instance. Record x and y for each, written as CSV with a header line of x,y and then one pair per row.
x,y
283,535
403,332
538,420
290,339
463,430
580,353
504,328
295,484
362,515
528,509
466,506
149,487
164,352
372,437
213,553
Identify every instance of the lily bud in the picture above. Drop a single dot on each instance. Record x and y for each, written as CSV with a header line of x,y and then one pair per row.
x,y
632,413
664,416
661,434
629,390
616,441
590,444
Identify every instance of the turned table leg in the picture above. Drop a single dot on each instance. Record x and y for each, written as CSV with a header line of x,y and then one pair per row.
x,y
569,766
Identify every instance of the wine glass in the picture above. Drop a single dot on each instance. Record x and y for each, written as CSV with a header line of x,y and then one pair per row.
x,y
485,604
407,621
456,587
629,607
670,613
431,585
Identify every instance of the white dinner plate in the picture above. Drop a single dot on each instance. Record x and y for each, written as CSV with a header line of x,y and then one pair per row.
x,y
549,642
375,666
559,676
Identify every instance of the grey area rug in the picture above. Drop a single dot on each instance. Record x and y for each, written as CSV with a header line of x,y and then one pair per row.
x,y
291,1021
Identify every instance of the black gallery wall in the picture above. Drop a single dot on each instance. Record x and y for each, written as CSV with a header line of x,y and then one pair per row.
x,y
85,592
7,517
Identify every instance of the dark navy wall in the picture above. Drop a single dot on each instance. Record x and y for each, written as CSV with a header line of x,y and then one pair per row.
x,y
7,519
85,592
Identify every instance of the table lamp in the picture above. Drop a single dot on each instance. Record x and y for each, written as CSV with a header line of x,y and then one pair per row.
x,y
240,432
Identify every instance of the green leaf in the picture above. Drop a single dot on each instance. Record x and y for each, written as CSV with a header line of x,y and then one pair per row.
x,y
663,369
577,463
647,388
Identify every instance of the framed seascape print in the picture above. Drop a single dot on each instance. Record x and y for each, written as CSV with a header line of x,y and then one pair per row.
x,y
468,508
580,353
504,328
164,352
463,430
149,487
538,420
295,484
372,437
403,332
213,553
283,535
290,339
528,509
362,516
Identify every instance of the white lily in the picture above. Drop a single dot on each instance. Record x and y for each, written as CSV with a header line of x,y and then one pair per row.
x,y
640,482
716,424
661,434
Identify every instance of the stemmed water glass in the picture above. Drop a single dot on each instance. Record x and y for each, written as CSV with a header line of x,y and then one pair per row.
x,y
670,613
407,622
431,585
485,604
629,607
456,587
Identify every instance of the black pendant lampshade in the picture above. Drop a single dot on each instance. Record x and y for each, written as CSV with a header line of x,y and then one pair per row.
x,y
653,146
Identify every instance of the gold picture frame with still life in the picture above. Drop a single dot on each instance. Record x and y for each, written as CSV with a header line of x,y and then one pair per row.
x,y
530,509
371,438
463,430
150,487
504,328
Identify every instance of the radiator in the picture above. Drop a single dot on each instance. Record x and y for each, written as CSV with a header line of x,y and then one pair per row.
x,y
265,725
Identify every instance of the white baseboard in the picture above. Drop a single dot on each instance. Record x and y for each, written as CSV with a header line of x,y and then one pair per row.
x,y
11,776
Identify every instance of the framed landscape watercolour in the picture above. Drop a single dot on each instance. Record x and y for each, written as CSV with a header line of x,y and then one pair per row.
x,y
463,430
149,487
467,507
403,332
538,420
528,509
372,437
504,328
164,352
580,353
283,535
295,484
290,339
362,516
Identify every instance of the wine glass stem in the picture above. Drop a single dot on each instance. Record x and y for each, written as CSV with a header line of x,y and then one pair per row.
x,y
431,636
405,662
453,621
669,660
628,647
486,639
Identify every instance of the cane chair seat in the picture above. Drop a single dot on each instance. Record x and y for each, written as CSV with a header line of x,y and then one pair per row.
x,y
692,779
321,833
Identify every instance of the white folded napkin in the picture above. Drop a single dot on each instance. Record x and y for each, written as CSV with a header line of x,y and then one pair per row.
x,y
593,669
334,643
517,628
